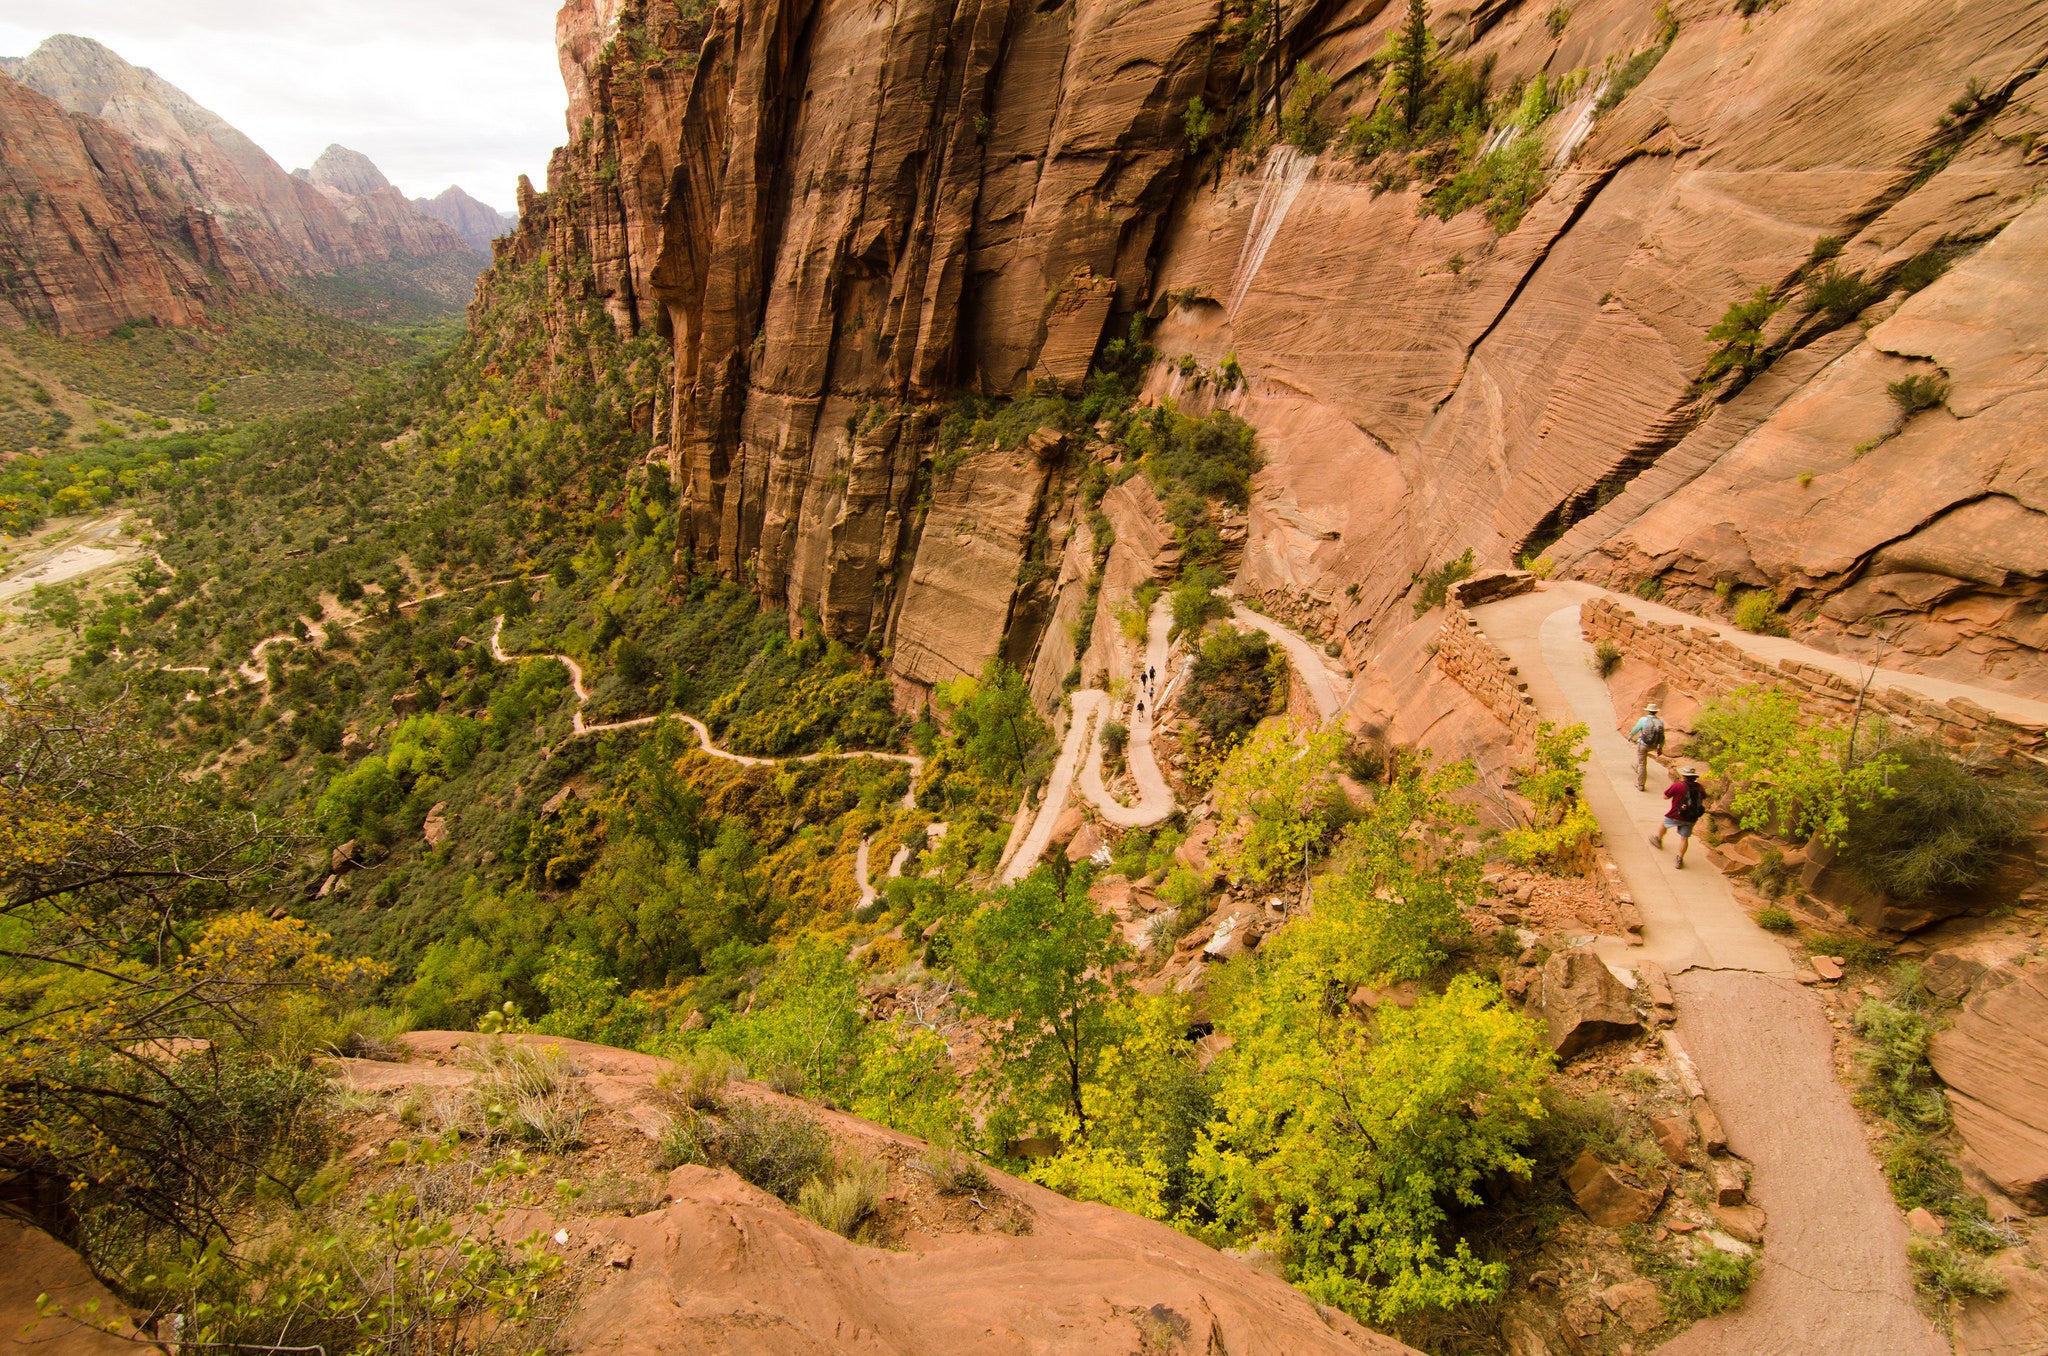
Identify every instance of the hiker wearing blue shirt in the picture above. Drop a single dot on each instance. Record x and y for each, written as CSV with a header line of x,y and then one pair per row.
x,y
1647,735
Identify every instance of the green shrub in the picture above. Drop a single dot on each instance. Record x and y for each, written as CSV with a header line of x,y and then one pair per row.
x,y
1943,826
699,1078
1898,1081
1838,295
1436,583
682,1141
1607,657
777,1148
1757,613
1711,1285
1774,919
1916,393
1739,336
844,1200
1234,683
1771,875
1789,776
1948,1274
954,1173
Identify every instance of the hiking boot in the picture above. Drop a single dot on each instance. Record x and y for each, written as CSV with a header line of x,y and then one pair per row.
x,y
1681,863
1656,840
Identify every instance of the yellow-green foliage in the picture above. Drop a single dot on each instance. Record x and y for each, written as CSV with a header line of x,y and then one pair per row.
x,y
1357,1145
1276,798
1564,827
1789,774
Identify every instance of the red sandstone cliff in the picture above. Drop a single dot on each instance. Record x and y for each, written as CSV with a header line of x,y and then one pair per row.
x,y
148,193
837,224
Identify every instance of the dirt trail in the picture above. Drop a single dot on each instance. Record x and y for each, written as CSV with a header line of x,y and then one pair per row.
x,y
579,727
1834,1276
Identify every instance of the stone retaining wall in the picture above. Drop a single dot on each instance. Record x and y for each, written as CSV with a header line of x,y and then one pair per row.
x,y
1468,658
1697,661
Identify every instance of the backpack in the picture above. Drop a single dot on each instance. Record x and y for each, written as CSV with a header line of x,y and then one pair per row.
x,y
1695,803
1653,733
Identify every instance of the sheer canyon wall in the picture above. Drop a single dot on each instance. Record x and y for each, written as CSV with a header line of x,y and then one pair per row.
x,y
841,215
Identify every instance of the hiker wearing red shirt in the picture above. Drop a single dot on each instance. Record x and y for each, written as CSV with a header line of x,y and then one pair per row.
x,y
1687,803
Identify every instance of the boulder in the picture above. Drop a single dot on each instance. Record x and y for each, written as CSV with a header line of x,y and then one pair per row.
x,y
1674,1137
1827,968
435,829
1582,1003
1949,976
1922,1222
1709,1126
345,858
1729,1178
1994,1058
1745,1222
1636,1304
1608,1198
1067,825
1085,844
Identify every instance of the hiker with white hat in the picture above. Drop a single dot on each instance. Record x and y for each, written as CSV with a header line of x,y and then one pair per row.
x,y
1688,803
1647,735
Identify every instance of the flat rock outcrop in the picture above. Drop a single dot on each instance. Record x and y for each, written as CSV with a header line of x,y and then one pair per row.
x,y
722,1266
1994,1058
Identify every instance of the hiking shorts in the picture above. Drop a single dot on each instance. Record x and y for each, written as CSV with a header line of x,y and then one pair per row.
x,y
1684,826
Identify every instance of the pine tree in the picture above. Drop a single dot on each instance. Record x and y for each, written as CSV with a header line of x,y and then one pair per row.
x,y
1412,61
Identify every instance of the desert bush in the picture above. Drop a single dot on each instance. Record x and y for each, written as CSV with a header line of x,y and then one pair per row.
x,y
777,1148
526,1094
1774,919
682,1141
1943,825
1757,613
1771,876
1607,657
1947,1273
1898,1082
1436,583
1714,1283
953,1173
1916,393
847,1197
699,1078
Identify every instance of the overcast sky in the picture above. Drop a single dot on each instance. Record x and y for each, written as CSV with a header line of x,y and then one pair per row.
x,y
437,92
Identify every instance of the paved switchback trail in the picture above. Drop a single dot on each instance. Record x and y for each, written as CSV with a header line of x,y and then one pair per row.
x,y
1834,1276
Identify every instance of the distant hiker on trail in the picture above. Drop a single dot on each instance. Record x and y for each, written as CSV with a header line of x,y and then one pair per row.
x,y
1647,735
1688,803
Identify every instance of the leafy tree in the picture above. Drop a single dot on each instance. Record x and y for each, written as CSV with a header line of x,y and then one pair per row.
x,y
1280,798
1790,775
1395,902
907,1081
1038,963
995,724
1150,1101
584,1002
806,1020
1236,676
1357,1146
1564,826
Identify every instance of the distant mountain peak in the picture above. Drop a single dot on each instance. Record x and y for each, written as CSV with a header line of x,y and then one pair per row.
x,y
348,171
